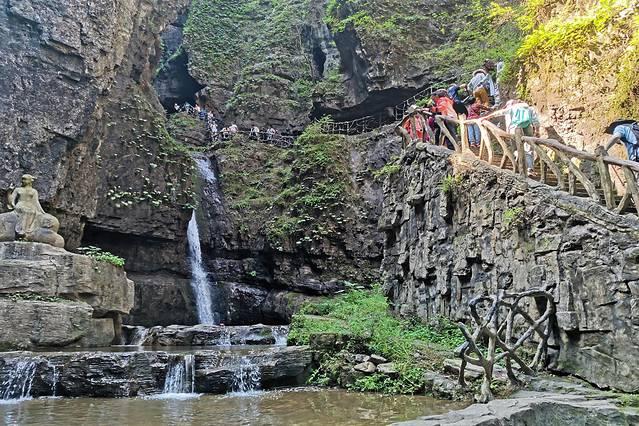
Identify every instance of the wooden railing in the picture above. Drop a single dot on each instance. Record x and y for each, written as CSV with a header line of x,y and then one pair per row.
x,y
567,168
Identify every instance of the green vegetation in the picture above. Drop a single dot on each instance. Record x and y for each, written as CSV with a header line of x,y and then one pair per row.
x,y
365,316
629,400
389,169
260,41
102,255
318,187
513,217
15,297
450,183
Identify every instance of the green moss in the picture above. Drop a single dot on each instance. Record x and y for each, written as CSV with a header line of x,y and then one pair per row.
x,y
577,33
365,316
389,169
625,99
102,255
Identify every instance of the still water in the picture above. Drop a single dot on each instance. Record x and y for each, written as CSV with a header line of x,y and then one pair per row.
x,y
307,406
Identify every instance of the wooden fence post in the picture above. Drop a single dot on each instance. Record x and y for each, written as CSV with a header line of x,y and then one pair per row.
x,y
604,175
521,153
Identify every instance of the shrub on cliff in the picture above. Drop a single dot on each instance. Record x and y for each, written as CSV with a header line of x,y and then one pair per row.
x,y
365,317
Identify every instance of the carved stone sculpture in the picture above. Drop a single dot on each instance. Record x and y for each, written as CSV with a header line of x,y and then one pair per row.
x,y
28,220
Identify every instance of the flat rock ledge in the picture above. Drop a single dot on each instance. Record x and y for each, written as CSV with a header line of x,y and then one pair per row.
x,y
45,270
143,373
535,408
206,335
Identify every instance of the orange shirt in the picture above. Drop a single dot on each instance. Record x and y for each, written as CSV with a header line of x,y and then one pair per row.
x,y
444,106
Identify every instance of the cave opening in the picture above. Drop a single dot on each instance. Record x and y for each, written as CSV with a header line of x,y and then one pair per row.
x,y
174,84
319,59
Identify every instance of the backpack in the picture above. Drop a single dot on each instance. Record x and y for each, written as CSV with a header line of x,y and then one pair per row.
x,y
521,117
635,129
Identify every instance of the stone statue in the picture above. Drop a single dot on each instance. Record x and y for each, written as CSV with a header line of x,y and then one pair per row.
x,y
28,220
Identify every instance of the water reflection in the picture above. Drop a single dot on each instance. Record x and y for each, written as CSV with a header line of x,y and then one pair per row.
x,y
308,407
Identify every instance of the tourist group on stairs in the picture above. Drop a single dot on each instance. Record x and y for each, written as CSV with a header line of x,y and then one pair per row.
x,y
480,98
227,132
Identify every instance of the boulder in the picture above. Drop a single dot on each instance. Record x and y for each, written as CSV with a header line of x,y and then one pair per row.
x,y
365,367
51,271
387,368
362,358
28,324
535,408
377,359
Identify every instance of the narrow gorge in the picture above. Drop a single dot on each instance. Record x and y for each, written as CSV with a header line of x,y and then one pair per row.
x,y
259,212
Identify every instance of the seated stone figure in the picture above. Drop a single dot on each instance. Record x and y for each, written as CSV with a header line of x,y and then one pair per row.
x,y
28,220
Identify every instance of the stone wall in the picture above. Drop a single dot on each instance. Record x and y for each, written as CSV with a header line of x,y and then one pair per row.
x,y
493,227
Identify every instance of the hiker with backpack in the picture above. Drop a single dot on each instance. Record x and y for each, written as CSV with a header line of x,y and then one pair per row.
x,y
522,117
627,133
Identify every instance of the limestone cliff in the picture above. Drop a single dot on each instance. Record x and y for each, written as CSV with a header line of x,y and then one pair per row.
x,y
579,64
490,228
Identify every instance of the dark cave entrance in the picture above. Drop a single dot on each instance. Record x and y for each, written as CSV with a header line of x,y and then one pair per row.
x,y
174,84
319,59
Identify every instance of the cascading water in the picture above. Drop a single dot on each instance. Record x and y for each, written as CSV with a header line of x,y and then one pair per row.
x,y
180,379
55,377
280,334
139,336
17,386
199,279
199,276
246,377
225,338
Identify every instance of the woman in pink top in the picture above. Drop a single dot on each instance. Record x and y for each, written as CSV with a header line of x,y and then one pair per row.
x,y
444,106
474,111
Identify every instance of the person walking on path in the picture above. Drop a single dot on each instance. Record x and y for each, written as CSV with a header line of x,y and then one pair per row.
x,y
474,112
627,133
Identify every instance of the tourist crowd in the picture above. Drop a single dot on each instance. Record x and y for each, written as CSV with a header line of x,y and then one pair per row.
x,y
219,132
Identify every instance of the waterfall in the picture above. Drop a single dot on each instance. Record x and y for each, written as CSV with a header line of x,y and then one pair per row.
x,y
199,276
17,386
199,279
55,377
180,379
246,377
280,334
225,338
139,336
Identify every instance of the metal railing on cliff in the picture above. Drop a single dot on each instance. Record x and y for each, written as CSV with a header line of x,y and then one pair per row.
x,y
568,169
372,122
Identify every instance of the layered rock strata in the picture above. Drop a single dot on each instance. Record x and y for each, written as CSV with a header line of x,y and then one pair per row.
x,y
127,374
52,298
492,228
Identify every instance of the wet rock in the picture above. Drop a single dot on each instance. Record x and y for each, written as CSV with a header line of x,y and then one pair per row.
x,y
533,408
124,374
50,271
378,359
441,386
212,335
365,367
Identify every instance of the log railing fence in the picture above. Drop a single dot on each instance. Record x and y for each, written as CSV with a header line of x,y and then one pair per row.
x,y
559,165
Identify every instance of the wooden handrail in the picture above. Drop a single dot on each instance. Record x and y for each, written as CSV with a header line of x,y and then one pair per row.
x,y
566,166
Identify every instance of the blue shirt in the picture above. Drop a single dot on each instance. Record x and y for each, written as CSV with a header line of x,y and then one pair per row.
x,y
628,137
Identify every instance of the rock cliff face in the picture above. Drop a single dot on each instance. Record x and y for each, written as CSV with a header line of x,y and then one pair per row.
x,y
579,66
52,298
493,228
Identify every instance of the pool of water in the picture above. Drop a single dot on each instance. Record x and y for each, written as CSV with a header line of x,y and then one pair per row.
x,y
303,406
